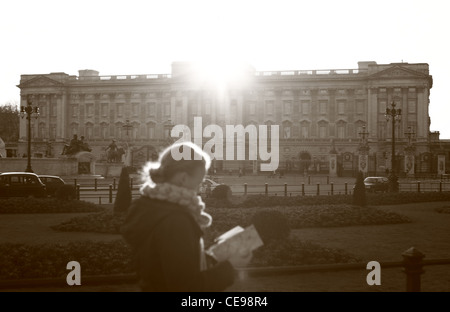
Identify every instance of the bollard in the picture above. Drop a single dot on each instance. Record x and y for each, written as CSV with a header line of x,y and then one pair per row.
x,y
285,189
99,200
267,189
318,189
95,184
332,188
345,188
309,180
114,183
413,268
78,191
440,187
245,188
110,194
303,189
328,179
418,186
75,182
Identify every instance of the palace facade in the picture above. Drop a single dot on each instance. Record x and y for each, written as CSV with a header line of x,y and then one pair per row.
x,y
318,112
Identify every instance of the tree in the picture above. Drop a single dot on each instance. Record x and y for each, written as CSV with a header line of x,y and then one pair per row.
x,y
359,194
123,196
9,122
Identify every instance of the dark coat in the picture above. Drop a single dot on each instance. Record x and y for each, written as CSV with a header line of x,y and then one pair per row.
x,y
166,244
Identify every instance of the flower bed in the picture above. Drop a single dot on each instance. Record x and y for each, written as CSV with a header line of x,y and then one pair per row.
x,y
20,261
45,205
224,219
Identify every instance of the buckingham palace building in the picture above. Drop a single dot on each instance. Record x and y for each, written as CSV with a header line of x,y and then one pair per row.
x,y
321,114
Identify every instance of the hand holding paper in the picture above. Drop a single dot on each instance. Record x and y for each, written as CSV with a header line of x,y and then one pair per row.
x,y
236,243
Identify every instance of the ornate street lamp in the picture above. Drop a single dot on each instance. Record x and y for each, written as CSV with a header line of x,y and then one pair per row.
x,y
363,151
393,114
128,162
29,111
409,153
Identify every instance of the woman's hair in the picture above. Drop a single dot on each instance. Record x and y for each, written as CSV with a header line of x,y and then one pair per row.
x,y
167,166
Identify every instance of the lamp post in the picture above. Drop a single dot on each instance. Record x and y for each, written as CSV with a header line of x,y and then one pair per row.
x,y
363,151
393,114
127,126
29,111
409,153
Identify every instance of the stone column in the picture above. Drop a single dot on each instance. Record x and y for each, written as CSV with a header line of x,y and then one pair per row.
x,y
363,163
333,165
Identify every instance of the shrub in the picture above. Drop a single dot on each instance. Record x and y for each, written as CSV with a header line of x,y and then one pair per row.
x,y
66,192
49,260
123,196
271,225
445,209
45,205
359,194
222,192
293,251
100,222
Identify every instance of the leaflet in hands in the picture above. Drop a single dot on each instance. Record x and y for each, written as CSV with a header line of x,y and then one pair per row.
x,y
236,240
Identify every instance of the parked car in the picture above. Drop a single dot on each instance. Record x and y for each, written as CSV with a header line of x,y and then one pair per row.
x,y
204,186
376,184
21,184
52,183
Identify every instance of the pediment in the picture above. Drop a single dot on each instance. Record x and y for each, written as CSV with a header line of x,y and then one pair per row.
x,y
40,81
397,71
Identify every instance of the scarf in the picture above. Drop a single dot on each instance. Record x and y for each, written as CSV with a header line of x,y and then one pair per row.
x,y
181,196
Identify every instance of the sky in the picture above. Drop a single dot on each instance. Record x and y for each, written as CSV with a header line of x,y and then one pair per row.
x,y
144,37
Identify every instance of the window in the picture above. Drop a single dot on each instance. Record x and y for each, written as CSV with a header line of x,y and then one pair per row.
x,y
151,131
208,105
341,131
42,108
287,131
74,110
42,132
411,106
89,110
233,109
305,107
89,133
120,109
53,109
305,130
322,131
323,107
382,105
287,107
179,112
135,109
269,107
104,133
359,106
104,107
341,107
323,91
381,130
167,109
151,109
252,108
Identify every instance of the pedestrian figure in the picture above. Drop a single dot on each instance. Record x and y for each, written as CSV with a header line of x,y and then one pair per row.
x,y
165,225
